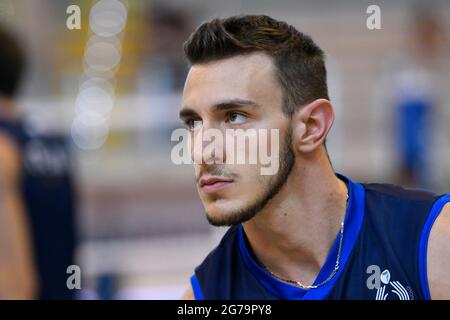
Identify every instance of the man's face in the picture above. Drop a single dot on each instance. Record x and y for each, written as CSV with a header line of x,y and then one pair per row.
x,y
236,93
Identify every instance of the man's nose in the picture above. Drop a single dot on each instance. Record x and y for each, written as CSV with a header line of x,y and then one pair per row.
x,y
207,145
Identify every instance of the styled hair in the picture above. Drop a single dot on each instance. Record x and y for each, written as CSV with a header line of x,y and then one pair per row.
x,y
11,64
299,62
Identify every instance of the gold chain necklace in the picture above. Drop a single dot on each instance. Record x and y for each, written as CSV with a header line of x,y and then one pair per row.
x,y
336,266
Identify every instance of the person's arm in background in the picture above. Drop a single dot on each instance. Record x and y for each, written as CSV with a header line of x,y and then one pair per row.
x,y
188,294
17,272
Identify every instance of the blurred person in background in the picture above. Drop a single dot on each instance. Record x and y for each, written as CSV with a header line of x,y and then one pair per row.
x,y
37,199
17,268
164,68
415,84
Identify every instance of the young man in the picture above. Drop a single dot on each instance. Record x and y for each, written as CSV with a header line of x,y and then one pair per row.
x,y
37,201
305,232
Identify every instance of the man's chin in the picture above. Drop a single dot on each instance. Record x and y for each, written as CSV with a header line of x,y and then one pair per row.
x,y
222,207
223,219
226,213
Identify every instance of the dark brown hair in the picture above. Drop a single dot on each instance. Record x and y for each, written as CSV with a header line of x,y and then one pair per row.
x,y
299,62
12,62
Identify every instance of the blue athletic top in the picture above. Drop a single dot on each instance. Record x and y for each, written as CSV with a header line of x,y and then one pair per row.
x,y
383,255
48,194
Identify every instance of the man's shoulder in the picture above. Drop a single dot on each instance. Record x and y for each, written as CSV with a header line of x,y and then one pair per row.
x,y
400,192
400,212
395,204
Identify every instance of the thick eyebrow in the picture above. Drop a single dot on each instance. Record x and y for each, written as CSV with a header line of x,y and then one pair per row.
x,y
186,113
221,106
234,103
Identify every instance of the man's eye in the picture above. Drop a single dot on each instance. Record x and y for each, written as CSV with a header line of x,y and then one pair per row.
x,y
194,124
236,118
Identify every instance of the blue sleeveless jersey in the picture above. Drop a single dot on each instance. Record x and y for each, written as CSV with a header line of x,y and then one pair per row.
x,y
48,195
383,255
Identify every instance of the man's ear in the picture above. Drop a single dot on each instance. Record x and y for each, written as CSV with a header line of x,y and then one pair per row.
x,y
311,124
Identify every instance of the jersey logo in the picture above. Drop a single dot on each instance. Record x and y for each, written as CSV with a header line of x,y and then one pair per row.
x,y
45,159
385,286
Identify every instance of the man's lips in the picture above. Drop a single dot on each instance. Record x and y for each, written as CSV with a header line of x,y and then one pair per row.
x,y
213,184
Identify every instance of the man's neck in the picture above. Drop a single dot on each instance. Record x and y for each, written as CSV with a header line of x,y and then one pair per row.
x,y
293,235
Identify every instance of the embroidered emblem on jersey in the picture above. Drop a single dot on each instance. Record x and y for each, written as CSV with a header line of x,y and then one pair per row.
x,y
386,288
